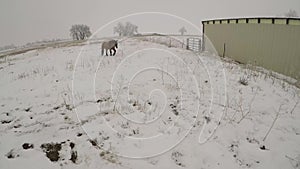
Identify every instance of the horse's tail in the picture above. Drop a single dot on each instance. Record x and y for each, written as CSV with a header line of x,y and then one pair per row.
x,y
102,51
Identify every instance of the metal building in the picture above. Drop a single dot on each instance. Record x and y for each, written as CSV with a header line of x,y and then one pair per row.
x,y
272,43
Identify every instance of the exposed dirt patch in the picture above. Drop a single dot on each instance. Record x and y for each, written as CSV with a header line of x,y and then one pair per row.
x,y
105,99
110,157
72,145
73,152
174,109
17,126
56,107
6,121
177,158
93,142
12,154
51,150
263,147
27,146
73,156
28,109
252,140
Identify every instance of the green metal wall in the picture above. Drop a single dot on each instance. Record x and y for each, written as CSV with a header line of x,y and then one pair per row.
x,y
272,46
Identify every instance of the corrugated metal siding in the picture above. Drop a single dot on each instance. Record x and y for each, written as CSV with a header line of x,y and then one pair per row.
x,y
232,21
280,21
294,22
253,20
272,46
266,20
242,21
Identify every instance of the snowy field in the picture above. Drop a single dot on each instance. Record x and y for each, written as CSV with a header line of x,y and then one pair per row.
x,y
148,107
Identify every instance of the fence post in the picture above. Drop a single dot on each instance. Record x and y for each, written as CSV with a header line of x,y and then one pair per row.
x,y
224,48
199,46
187,43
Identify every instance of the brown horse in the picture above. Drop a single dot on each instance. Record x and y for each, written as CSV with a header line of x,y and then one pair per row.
x,y
110,46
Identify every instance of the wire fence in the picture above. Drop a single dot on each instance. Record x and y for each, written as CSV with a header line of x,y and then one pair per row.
x,y
189,43
194,44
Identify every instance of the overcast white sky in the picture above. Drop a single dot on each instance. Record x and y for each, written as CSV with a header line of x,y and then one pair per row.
x,y
30,20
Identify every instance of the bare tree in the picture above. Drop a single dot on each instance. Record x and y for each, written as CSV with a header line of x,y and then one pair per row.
x,y
80,32
291,13
182,30
119,29
128,29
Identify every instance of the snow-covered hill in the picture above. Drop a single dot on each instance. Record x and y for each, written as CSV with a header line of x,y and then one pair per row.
x,y
149,107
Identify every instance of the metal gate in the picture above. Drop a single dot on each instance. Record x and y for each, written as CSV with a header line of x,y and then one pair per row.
x,y
194,44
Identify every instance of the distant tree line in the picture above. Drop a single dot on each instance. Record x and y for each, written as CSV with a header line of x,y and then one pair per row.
x,y
81,32
127,29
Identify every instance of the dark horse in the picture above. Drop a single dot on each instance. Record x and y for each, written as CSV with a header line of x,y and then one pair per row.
x,y
110,46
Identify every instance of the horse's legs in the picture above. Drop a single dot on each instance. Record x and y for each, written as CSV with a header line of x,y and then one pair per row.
x,y
106,52
113,54
113,51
